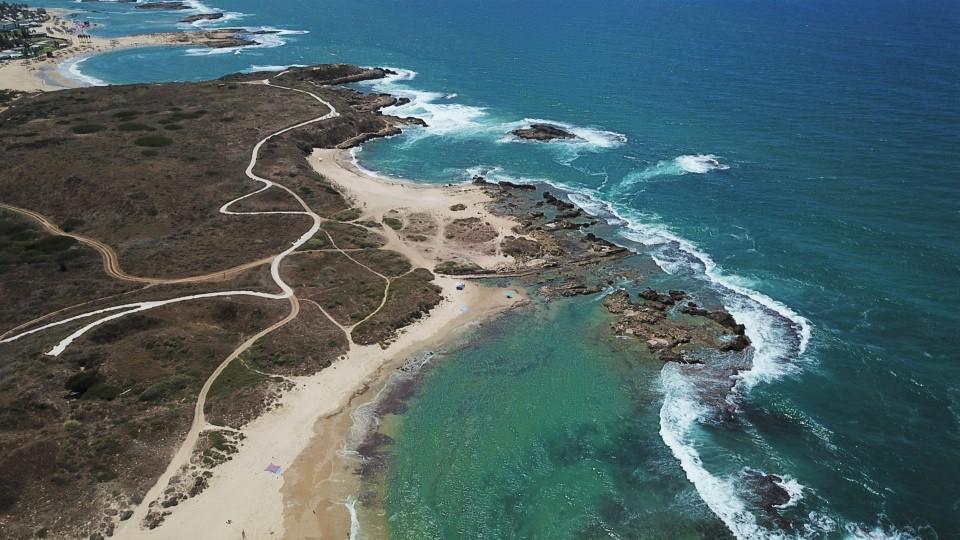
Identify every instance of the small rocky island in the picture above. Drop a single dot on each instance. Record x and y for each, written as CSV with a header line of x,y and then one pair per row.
x,y
543,132
163,6
202,17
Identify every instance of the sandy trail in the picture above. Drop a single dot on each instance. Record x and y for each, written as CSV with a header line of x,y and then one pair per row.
x,y
111,261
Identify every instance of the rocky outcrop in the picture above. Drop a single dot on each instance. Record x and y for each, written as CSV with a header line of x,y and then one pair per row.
x,y
543,132
574,286
168,6
668,337
201,17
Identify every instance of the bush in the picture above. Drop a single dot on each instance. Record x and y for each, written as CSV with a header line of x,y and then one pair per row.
x,y
85,129
78,383
102,390
126,115
393,223
54,244
153,141
173,127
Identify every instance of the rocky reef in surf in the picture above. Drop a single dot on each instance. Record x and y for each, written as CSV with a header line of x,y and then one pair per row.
x,y
542,132
658,320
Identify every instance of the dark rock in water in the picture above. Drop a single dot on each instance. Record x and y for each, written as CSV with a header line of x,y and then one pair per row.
x,y
665,299
543,132
558,203
479,180
201,17
571,287
738,343
767,493
767,488
163,5
721,317
511,185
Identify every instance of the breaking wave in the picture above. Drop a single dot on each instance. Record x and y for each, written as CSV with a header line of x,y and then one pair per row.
x,y
678,166
71,70
447,119
265,37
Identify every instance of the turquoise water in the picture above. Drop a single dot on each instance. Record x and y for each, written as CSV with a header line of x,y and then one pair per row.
x,y
826,218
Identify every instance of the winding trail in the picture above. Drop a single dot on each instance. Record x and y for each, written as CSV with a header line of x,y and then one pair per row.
x,y
111,261
112,267
286,291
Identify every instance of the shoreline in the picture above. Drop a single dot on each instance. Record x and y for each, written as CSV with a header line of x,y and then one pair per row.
x,y
47,74
307,500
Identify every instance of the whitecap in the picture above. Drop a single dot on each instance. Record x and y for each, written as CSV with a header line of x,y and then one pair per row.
x,y
585,136
447,119
262,41
678,418
678,166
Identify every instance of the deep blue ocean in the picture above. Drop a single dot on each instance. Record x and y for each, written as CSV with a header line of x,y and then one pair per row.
x,y
800,160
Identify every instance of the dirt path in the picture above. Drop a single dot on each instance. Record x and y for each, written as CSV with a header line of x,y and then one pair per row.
x,y
111,261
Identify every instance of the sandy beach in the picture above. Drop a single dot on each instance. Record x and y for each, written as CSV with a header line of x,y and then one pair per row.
x,y
43,74
305,433
46,74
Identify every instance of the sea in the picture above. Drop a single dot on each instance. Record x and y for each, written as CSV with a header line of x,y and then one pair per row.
x,y
797,161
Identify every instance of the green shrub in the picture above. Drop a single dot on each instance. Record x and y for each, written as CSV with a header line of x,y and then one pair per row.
x,y
349,214
153,141
54,244
173,127
393,223
135,126
126,115
82,381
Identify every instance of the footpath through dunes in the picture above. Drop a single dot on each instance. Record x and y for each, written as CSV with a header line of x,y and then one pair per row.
x,y
137,172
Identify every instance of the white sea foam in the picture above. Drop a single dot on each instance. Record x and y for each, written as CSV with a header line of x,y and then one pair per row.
x,y
856,531
255,68
443,119
586,137
263,41
351,505
678,418
447,119
71,70
793,488
678,166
